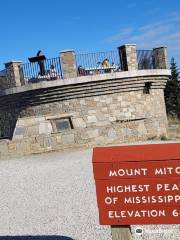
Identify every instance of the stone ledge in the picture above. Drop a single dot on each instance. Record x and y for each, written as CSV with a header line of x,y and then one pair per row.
x,y
87,79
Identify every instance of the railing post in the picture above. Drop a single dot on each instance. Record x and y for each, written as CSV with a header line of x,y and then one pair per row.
x,y
121,232
128,57
14,74
68,63
160,58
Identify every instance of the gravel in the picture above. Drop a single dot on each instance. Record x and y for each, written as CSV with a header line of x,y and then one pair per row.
x,y
54,194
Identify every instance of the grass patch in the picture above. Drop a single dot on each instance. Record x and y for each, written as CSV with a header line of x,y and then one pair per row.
x,y
163,138
173,120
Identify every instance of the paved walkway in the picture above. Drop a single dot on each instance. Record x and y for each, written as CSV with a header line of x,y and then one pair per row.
x,y
51,193
54,194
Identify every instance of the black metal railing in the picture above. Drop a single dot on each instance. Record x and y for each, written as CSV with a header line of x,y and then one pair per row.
x,y
145,59
51,70
98,63
86,64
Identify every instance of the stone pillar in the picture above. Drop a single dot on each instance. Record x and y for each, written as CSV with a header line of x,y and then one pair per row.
x,y
160,58
68,63
128,57
14,74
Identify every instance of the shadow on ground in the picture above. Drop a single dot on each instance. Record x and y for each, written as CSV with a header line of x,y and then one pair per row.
x,y
50,237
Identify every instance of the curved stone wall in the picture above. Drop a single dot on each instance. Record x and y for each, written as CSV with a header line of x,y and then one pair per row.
x,y
101,111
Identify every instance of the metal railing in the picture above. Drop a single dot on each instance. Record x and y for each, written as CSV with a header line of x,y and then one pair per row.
x,y
98,63
86,64
32,72
145,59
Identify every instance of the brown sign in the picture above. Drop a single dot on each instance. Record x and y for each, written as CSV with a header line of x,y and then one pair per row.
x,y
138,184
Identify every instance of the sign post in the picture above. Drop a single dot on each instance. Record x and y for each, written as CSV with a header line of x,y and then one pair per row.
x,y
121,233
137,184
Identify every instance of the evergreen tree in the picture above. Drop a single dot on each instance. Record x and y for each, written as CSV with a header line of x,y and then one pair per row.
x,y
172,92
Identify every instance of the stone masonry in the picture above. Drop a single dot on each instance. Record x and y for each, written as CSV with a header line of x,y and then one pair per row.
x,y
160,58
68,63
102,109
14,75
121,115
129,57
3,81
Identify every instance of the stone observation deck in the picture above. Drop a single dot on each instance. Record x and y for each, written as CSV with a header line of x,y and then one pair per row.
x,y
81,101
70,65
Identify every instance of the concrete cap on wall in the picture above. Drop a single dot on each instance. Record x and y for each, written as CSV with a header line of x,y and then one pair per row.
x,y
128,44
160,47
12,61
67,50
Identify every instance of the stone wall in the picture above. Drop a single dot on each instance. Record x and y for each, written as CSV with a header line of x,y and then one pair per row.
x,y
68,63
3,83
160,58
97,99
128,57
108,108
14,74
101,112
